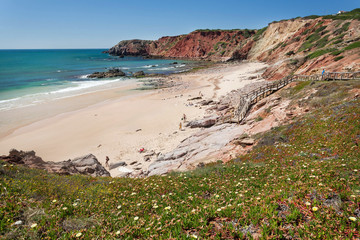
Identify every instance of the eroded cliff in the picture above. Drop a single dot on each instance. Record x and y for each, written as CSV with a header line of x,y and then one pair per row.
x,y
301,45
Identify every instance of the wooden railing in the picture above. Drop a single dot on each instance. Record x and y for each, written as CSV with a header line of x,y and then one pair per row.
x,y
250,98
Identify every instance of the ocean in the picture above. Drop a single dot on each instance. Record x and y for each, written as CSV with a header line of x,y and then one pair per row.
x,y
29,77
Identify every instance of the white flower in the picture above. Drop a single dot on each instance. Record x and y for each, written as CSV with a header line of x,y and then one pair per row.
x,y
155,206
54,201
219,210
134,193
307,204
118,207
315,209
168,208
217,196
78,234
64,208
75,204
118,232
34,225
194,236
352,219
136,218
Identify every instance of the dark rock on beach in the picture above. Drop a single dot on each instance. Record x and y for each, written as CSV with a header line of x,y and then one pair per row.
x,y
85,165
139,74
111,73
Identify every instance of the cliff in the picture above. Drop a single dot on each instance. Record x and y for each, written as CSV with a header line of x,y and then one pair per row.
x,y
300,45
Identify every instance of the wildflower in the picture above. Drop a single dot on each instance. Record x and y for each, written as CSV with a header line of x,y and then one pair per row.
x,y
307,204
78,234
315,209
155,206
194,236
54,201
64,208
217,196
353,196
133,193
118,207
75,204
352,219
219,210
168,208
136,218
118,232
34,225
355,170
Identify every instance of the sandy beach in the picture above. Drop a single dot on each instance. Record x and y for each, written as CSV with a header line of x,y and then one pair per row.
x,y
120,121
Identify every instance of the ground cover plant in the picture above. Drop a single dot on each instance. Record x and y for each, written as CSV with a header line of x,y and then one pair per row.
x,y
301,182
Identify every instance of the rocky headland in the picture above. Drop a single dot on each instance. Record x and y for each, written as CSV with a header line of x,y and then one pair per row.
x,y
300,45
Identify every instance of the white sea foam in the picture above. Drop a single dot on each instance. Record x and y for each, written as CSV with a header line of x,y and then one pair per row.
x,y
84,76
163,68
73,89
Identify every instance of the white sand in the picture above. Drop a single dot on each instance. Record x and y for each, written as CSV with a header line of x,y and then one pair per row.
x,y
105,123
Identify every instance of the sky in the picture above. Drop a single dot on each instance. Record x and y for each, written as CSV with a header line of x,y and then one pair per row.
x,y
54,24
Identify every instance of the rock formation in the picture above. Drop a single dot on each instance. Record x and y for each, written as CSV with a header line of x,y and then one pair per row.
x,y
109,74
300,45
85,165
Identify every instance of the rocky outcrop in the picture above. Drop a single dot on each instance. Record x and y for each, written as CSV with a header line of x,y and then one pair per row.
x,y
300,45
109,74
85,165
199,44
134,47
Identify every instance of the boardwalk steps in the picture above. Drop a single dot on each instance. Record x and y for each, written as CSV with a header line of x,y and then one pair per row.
x,y
248,99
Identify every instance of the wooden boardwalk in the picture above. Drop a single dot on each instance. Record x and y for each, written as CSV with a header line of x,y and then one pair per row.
x,y
247,100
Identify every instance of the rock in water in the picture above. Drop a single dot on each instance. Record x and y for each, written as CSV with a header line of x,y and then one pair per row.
x,y
86,165
139,74
111,73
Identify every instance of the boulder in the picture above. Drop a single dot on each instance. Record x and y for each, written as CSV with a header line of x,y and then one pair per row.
x,y
109,74
116,165
244,142
86,165
139,74
203,123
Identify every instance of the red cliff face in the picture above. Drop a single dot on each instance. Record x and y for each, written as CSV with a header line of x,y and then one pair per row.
x,y
301,45
199,45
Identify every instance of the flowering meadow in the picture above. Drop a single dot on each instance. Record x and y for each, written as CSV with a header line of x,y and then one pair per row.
x,y
304,184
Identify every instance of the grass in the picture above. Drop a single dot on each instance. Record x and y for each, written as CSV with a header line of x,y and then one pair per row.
x,y
259,33
320,52
354,14
338,58
301,182
353,45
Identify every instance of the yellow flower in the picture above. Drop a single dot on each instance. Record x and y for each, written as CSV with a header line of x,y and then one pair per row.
x,y
168,208
54,201
217,196
78,234
34,225
352,219
315,209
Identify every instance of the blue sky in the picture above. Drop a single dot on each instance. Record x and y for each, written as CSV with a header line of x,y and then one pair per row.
x,y
103,23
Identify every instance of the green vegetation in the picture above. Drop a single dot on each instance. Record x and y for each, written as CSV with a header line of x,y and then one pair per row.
x,y
353,45
354,14
342,29
320,29
259,33
337,52
290,53
320,52
301,182
338,58
220,45
322,42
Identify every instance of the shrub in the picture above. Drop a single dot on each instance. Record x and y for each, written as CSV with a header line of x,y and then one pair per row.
x,y
353,45
319,53
290,53
338,58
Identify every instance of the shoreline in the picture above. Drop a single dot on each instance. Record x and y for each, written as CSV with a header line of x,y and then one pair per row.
x,y
108,123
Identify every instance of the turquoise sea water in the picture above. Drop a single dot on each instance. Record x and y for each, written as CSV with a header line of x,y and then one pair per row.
x,y
28,77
